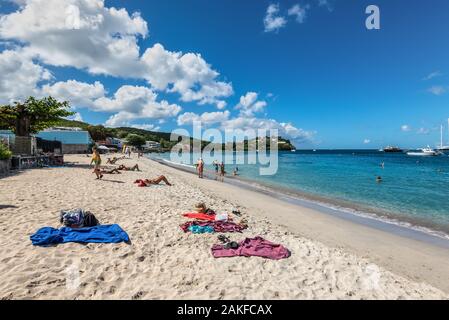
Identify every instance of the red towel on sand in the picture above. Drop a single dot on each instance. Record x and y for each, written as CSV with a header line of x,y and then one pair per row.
x,y
200,216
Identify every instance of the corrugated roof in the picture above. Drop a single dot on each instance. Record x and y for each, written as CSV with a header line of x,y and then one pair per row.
x,y
66,137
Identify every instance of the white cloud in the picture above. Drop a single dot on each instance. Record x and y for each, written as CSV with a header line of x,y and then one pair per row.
x,y
249,105
134,103
300,12
433,75
424,131
79,94
19,76
325,3
273,21
366,141
76,117
78,33
87,35
406,128
207,118
181,73
286,130
437,90
146,126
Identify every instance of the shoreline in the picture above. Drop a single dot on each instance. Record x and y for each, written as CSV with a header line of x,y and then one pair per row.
x,y
331,258
412,253
384,221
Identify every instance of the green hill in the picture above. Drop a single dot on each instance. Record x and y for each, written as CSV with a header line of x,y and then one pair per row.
x,y
99,132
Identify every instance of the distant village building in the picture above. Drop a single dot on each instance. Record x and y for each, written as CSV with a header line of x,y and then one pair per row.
x,y
74,140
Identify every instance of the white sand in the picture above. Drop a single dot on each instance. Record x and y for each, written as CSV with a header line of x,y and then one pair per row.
x,y
165,263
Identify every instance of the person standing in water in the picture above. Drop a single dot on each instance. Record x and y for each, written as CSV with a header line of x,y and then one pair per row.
x,y
200,168
216,167
222,171
96,159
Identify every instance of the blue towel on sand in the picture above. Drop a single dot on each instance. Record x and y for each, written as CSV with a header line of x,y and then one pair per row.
x,y
201,229
98,234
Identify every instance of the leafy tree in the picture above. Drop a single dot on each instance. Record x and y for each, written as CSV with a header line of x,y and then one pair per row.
x,y
5,154
97,133
122,134
33,115
135,140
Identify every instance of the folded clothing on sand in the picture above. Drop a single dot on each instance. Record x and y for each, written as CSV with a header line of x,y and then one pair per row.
x,y
257,246
218,226
200,216
98,234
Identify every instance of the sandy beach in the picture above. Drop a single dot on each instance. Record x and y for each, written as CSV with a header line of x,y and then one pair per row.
x,y
331,258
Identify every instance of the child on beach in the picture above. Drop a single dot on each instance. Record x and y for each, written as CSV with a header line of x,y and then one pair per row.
x,y
96,159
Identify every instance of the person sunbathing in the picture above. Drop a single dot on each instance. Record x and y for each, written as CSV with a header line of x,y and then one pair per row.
x,y
111,161
104,171
123,167
148,182
114,160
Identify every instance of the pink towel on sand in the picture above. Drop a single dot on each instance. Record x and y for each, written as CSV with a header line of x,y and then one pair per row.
x,y
257,246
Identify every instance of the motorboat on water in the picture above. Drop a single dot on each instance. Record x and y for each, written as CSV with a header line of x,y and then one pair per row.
x,y
391,149
425,152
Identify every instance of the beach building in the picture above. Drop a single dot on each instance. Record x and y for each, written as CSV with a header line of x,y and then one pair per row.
x,y
115,142
7,137
74,140
152,145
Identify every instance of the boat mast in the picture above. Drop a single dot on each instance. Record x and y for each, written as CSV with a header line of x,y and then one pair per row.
x,y
441,136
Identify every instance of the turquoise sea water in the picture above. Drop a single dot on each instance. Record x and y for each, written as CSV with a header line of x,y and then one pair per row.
x,y
413,189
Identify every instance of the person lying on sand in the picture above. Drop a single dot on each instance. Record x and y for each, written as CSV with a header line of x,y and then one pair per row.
x,y
114,160
123,167
148,182
115,170
201,208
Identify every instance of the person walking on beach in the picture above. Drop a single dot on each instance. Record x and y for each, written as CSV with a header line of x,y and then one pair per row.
x,y
128,152
96,159
200,168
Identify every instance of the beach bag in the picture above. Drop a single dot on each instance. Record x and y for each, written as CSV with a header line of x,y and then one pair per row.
x,y
72,217
90,220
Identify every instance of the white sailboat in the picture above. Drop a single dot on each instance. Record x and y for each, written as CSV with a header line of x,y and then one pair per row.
x,y
442,147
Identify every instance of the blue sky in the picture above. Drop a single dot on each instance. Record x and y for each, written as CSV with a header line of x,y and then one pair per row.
x,y
326,81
